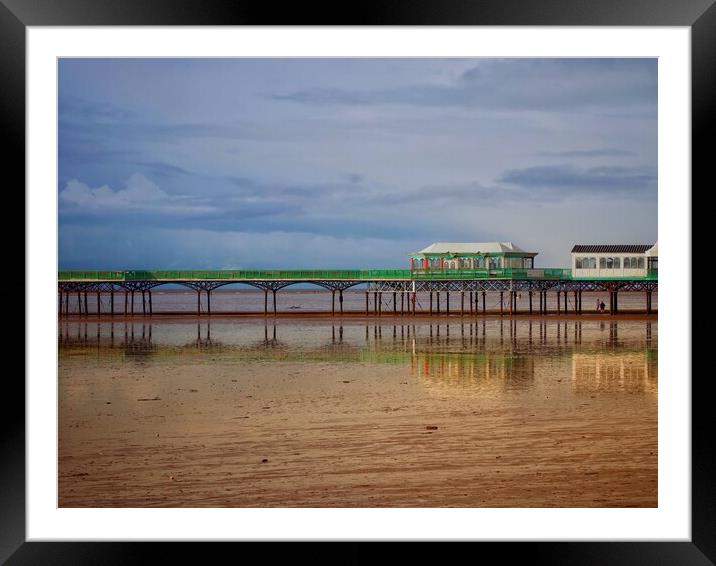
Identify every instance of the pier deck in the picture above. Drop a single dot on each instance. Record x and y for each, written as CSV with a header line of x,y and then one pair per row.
x,y
403,283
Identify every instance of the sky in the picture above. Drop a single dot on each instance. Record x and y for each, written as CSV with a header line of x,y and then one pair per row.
x,y
293,163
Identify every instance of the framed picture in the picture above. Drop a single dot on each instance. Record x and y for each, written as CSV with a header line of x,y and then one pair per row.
x,y
51,55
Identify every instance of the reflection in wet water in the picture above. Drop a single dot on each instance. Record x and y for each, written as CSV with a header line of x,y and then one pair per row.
x,y
506,354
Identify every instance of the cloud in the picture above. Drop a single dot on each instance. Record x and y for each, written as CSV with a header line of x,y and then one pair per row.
x,y
598,152
514,84
139,190
91,110
469,194
139,195
163,169
567,178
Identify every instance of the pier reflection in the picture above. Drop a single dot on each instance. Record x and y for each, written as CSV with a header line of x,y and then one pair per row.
x,y
632,372
487,370
499,354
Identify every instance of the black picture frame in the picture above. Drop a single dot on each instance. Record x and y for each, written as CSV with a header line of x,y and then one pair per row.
x,y
16,15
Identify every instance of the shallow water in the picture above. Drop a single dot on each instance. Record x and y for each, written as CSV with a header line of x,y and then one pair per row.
x,y
512,413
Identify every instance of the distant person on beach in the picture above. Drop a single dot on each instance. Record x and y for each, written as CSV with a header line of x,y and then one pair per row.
x,y
601,307
598,303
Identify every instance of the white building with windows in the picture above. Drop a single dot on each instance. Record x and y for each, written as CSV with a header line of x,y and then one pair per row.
x,y
614,260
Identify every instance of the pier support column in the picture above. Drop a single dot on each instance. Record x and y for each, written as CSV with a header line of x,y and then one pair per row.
x,y
375,302
484,303
437,300
59,312
616,302
540,301
367,308
462,303
415,295
340,300
380,303
79,302
126,296
395,303
502,303
559,307
265,302
67,303
580,302
150,302
402,303
144,304
333,302
86,309
431,302
132,305
471,304
198,301
565,302
98,303
511,297
274,299
648,302
447,303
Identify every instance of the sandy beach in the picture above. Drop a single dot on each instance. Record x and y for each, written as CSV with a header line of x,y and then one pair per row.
x,y
307,414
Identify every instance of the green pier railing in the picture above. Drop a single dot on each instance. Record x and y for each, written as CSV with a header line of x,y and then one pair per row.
x,y
315,275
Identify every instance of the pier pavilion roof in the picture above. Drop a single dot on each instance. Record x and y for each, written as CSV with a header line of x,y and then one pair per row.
x,y
653,251
611,248
475,248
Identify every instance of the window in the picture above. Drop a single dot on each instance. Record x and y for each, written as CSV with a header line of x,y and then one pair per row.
x,y
579,263
592,262
610,263
641,263
617,263
602,263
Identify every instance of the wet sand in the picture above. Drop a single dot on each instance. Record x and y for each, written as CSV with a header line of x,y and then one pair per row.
x,y
385,318
552,415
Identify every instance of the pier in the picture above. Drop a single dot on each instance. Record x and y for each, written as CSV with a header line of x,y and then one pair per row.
x,y
387,291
